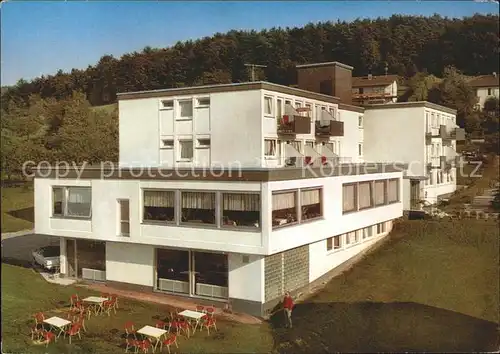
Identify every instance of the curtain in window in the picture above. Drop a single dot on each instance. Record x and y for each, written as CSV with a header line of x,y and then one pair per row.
x,y
297,145
186,149
349,197
57,195
310,197
159,199
379,197
392,190
270,147
124,211
336,242
186,108
365,195
283,201
79,201
241,202
198,200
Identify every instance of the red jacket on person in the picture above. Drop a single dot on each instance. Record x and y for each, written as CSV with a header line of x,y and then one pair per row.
x,y
288,303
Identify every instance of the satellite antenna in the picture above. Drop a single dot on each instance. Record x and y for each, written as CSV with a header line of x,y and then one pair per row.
x,y
252,69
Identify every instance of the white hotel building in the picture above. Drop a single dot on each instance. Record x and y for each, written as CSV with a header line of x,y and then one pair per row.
x,y
240,201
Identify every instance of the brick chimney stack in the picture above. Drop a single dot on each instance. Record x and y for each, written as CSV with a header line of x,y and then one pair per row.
x,y
331,78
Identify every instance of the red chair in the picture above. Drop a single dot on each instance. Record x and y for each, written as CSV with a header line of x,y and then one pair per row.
x,y
144,345
200,308
209,323
130,329
114,298
161,324
81,322
73,300
73,331
49,337
107,306
105,295
168,342
36,332
39,318
179,326
210,311
131,343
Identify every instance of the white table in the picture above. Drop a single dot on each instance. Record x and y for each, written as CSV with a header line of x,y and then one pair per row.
x,y
57,322
96,300
193,315
152,332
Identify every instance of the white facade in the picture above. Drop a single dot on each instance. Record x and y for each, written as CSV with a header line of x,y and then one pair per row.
x,y
483,93
400,132
236,129
371,94
227,129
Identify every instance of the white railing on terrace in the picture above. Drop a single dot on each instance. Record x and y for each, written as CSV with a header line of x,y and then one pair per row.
x,y
174,286
93,274
211,290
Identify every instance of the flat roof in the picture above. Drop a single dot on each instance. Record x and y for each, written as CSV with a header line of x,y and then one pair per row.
x,y
214,174
328,63
366,81
411,104
234,87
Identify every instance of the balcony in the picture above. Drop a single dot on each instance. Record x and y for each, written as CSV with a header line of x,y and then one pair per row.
x,y
434,163
453,134
332,128
291,125
327,126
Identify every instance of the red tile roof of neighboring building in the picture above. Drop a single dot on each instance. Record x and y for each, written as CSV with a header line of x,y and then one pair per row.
x,y
382,80
484,81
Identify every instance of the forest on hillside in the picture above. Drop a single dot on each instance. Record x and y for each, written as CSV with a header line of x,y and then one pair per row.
x,y
406,44
55,118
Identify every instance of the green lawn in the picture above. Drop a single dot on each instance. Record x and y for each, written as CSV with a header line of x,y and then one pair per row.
x,y
17,207
21,299
432,287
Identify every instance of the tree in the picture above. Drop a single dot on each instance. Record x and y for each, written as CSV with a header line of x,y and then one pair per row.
x,y
419,87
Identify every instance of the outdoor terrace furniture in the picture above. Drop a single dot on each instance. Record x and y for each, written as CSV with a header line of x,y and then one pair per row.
x,y
194,316
131,343
152,332
39,318
96,302
130,329
73,331
73,300
209,323
162,324
58,324
200,308
37,332
48,337
108,306
169,341
144,345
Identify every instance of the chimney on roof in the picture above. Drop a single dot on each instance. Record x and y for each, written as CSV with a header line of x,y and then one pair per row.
x,y
332,78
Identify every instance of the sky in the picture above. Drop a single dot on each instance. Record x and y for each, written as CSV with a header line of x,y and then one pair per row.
x,y
41,37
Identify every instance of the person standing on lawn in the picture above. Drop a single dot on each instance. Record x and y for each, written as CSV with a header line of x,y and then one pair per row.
x,y
288,307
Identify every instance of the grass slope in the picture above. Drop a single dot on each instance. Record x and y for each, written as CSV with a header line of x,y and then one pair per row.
x,y
17,208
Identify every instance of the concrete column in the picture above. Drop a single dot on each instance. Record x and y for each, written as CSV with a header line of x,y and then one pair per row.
x,y
62,257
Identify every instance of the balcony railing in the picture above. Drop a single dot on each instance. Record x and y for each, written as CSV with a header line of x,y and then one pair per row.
x,y
435,162
331,128
310,161
447,134
294,125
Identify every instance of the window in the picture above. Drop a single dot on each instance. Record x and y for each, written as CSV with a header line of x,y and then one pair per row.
x,y
360,122
358,235
269,147
311,203
279,108
159,205
360,149
349,197
186,149
241,209
204,102
381,228
72,202
298,104
379,193
368,232
124,217
284,208
203,143
309,112
361,90
198,207
489,92
186,109
393,190
167,143
350,238
333,243
365,195
167,104
268,106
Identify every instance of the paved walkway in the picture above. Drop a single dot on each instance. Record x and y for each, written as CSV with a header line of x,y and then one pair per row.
x,y
169,300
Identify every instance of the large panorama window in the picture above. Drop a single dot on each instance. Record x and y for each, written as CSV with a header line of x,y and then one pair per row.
x,y
365,195
379,193
72,202
198,207
240,209
393,191
159,206
284,208
349,197
311,203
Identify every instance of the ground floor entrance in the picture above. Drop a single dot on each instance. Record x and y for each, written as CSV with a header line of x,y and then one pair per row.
x,y
85,259
192,273
415,199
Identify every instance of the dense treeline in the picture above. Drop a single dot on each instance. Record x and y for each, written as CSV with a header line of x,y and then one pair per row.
x,y
406,44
